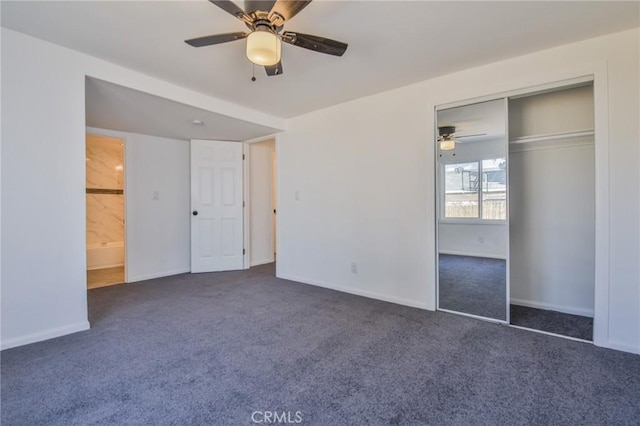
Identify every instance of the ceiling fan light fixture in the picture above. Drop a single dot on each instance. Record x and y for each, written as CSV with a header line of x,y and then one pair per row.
x,y
447,144
263,47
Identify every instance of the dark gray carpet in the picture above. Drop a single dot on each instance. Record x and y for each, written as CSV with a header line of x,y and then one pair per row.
x,y
477,285
473,285
213,348
554,322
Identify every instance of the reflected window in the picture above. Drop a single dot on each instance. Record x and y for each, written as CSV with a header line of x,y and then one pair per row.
x,y
461,190
494,189
476,190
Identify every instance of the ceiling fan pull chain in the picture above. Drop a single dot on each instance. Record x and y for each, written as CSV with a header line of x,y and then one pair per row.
x,y
253,66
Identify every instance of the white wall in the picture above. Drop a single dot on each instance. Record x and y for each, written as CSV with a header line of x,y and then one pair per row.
x,y
43,202
1,172
43,196
260,203
158,242
552,228
478,239
364,175
352,182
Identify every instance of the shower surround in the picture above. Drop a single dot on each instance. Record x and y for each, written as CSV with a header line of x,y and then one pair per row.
x,y
105,202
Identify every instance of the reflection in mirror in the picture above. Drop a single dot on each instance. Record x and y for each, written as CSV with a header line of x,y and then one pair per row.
x,y
472,209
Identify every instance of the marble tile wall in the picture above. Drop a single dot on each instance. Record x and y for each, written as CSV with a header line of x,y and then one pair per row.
x,y
104,218
104,162
105,211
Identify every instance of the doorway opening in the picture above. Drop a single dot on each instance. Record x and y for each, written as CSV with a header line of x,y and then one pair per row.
x,y
262,202
105,233
233,205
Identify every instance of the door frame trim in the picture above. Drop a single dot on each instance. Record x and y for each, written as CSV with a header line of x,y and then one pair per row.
x,y
246,198
247,193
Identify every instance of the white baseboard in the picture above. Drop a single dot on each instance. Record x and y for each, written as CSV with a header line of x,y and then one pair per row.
x,y
357,292
551,307
158,275
261,262
625,347
45,335
107,266
466,253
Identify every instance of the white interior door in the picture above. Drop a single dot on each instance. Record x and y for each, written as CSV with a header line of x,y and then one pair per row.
x,y
216,206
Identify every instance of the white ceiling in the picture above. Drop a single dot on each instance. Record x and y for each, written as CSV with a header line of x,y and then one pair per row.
x,y
109,106
391,43
476,122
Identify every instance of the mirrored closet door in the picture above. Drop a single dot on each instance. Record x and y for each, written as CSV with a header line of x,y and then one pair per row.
x,y
472,205
516,202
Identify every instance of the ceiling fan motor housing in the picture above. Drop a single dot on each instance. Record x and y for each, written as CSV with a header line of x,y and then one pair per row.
x,y
446,130
273,20
262,22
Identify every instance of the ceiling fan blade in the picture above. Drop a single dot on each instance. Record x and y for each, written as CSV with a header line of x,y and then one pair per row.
x,y
289,8
251,6
215,39
274,69
311,42
469,136
231,8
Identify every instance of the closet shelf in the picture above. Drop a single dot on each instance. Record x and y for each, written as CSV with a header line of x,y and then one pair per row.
x,y
551,137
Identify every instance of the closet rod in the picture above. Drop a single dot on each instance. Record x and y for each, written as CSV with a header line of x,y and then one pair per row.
x,y
551,136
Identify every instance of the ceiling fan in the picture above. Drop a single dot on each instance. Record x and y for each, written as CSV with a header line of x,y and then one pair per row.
x,y
447,139
266,19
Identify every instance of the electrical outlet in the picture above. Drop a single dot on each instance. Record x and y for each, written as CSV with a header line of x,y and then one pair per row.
x,y
481,240
354,268
296,195
156,195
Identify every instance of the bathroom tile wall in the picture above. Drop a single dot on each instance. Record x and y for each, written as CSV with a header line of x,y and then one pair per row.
x,y
104,219
105,211
104,162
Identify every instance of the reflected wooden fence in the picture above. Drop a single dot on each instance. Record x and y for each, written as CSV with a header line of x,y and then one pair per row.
x,y
491,209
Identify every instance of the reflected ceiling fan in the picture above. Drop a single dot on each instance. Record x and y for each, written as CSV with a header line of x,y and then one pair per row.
x,y
447,137
266,19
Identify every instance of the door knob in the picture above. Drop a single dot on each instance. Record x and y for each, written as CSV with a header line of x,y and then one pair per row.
x,y
195,213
